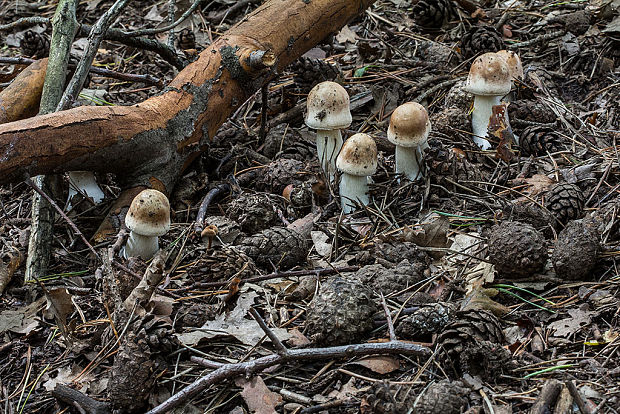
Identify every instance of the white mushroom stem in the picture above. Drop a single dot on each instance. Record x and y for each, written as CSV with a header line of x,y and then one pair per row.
x,y
328,145
139,245
407,162
483,109
84,182
353,188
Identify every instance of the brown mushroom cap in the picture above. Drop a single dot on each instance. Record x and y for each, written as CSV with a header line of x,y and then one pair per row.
x,y
488,76
358,155
149,214
409,125
514,63
328,107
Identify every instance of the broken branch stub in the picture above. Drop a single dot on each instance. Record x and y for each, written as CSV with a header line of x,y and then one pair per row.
x,y
154,141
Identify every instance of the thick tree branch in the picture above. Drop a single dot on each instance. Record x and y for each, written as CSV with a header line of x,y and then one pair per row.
x,y
152,142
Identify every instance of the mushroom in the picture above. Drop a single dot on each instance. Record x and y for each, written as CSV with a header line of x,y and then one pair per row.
x,y
515,68
357,161
488,81
408,130
328,112
148,217
514,63
84,182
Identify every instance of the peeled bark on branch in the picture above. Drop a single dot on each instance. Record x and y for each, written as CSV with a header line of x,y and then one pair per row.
x,y
152,142
21,98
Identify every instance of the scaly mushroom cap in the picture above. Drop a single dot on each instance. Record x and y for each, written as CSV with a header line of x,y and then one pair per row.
x,y
149,214
409,125
488,76
358,156
514,63
328,107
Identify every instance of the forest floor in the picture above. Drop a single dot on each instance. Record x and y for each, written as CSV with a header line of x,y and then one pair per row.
x,y
501,264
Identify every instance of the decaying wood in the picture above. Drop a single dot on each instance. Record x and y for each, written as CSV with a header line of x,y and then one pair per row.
x,y
21,98
152,142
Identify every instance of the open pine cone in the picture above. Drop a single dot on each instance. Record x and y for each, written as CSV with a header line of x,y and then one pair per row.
x,y
432,13
566,201
539,140
481,39
279,246
35,45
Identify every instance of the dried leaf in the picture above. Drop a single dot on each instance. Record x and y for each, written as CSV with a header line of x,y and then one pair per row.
x,y
297,338
259,398
346,35
233,323
499,127
59,305
8,266
565,327
321,244
379,364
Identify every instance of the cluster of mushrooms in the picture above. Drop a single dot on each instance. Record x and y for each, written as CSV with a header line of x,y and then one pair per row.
x,y
353,161
489,80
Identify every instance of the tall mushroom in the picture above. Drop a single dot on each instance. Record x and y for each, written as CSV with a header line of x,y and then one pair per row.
x,y
147,219
488,81
408,130
84,182
328,112
357,161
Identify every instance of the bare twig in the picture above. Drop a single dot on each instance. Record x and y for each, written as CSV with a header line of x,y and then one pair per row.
x,y
202,210
227,371
274,339
388,317
146,79
94,40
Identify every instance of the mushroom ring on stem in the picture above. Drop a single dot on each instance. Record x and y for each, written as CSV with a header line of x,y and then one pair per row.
x,y
147,219
357,161
489,80
328,112
408,130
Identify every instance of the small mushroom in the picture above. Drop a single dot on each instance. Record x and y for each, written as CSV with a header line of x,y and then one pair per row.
x,y
209,233
328,112
408,130
488,80
84,182
357,161
147,219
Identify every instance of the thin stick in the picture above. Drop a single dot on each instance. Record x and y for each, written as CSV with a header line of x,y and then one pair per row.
x,y
388,317
62,214
309,354
274,339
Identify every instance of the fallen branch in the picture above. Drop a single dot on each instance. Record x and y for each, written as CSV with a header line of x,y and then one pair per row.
x,y
227,371
151,143
21,98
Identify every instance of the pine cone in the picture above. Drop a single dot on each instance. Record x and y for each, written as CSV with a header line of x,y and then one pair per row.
x,y
253,212
380,400
35,45
308,72
187,39
160,335
485,359
538,140
222,263
280,173
427,320
565,201
532,214
576,250
470,327
279,246
432,13
443,397
388,280
448,165
481,39
284,142
451,121
341,312
530,110
516,249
